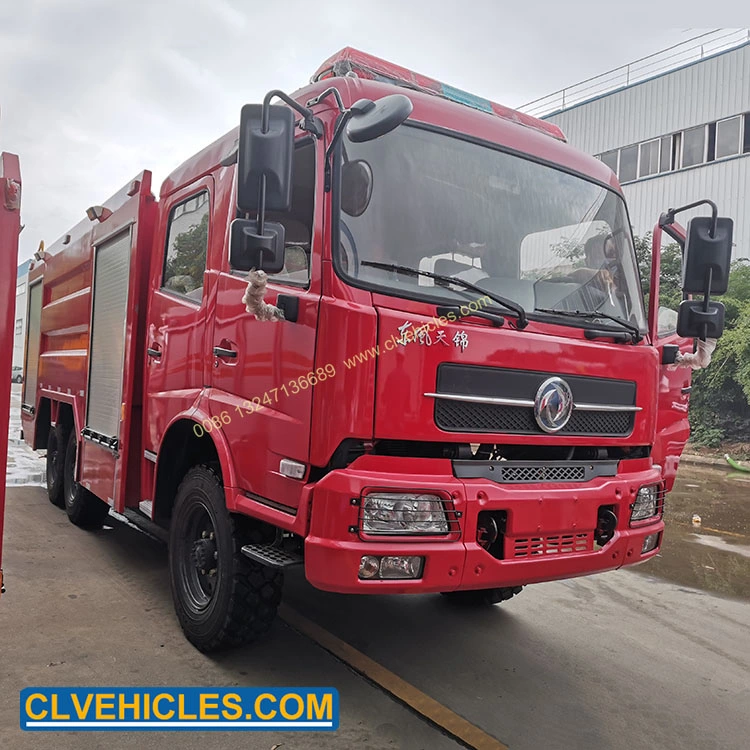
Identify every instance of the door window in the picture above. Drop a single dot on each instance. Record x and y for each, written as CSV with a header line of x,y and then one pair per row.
x,y
670,292
187,243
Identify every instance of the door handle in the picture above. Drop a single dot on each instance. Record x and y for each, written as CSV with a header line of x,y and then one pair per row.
x,y
220,351
153,353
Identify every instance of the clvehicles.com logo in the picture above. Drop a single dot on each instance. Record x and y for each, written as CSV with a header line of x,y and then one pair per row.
x,y
160,708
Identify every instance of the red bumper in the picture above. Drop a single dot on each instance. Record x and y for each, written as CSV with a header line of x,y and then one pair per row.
x,y
548,536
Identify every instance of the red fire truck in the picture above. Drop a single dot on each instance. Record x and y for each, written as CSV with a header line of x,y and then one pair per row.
x,y
459,390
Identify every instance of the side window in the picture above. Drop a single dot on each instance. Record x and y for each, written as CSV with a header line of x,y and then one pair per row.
x,y
298,223
670,291
187,243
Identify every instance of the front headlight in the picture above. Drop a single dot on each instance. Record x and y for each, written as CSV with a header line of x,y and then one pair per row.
x,y
403,513
646,503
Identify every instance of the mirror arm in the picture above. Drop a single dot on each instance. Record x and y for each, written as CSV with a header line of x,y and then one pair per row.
x,y
707,299
333,91
343,118
310,122
667,218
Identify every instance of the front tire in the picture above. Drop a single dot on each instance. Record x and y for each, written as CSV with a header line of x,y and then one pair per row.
x,y
482,597
221,597
84,509
56,446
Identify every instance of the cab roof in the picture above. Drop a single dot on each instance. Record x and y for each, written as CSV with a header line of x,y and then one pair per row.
x,y
357,75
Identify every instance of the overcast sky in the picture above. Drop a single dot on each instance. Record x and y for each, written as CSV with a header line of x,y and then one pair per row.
x,y
94,91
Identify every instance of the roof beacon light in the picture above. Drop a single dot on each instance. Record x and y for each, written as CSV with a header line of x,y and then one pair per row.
x,y
350,61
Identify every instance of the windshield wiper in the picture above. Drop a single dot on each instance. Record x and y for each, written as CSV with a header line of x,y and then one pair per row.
x,y
447,280
592,315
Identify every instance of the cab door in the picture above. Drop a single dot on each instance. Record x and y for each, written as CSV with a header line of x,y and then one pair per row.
x,y
177,347
263,372
672,425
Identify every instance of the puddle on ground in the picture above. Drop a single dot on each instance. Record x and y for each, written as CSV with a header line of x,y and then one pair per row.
x,y
713,555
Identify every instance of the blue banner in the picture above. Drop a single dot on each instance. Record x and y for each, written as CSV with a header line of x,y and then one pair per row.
x,y
190,708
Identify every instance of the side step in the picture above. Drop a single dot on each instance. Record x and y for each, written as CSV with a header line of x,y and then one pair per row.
x,y
272,555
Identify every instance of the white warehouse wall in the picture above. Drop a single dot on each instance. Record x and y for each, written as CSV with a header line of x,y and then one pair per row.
x,y
19,333
699,93
726,183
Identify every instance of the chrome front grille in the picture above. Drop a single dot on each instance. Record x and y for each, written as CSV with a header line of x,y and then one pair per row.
x,y
474,399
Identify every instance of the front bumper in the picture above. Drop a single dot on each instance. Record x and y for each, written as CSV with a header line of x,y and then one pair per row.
x,y
548,535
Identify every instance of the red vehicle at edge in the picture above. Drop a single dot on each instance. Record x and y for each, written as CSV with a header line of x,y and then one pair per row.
x,y
464,393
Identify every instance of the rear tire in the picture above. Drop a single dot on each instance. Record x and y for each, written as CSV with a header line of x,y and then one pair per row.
x,y
482,597
84,509
56,445
221,597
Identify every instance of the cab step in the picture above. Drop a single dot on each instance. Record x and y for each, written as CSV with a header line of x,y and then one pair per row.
x,y
272,555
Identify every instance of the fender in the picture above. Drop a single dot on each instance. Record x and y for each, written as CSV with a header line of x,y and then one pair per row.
x,y
219,439
57,399
196,414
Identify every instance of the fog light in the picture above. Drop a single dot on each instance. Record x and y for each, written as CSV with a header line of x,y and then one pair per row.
x,y
650,543
646,503
401,567
369,566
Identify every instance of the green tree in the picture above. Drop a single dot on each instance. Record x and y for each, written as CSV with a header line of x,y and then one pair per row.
x,y
187,256
670,271
721,393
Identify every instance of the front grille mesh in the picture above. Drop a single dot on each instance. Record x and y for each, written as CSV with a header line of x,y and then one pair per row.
x,y
574,473
460,416
558,544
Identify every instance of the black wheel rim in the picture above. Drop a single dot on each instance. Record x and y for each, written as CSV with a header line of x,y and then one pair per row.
x,y
199,564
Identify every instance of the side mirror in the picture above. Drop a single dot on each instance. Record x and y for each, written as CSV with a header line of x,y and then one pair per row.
x,y
370,120
708,254
705,270
250,248
264,160
700,319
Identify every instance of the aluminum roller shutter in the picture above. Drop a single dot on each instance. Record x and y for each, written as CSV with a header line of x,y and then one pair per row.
x,y
107,343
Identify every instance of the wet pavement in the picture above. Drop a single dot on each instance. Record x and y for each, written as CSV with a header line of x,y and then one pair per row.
x,y
712,553
24,466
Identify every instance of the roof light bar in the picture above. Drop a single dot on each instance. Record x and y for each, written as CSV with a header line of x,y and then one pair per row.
x,y
350,60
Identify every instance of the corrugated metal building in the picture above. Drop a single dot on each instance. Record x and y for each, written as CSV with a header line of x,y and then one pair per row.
x,y
22,280
673,136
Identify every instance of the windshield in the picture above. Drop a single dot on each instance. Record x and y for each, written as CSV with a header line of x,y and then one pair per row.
x,y
533,234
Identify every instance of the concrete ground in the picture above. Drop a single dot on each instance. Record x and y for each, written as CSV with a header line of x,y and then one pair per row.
x,y
95,609
616,661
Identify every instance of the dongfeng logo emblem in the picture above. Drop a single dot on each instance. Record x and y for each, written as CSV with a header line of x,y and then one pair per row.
x,y
553,404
